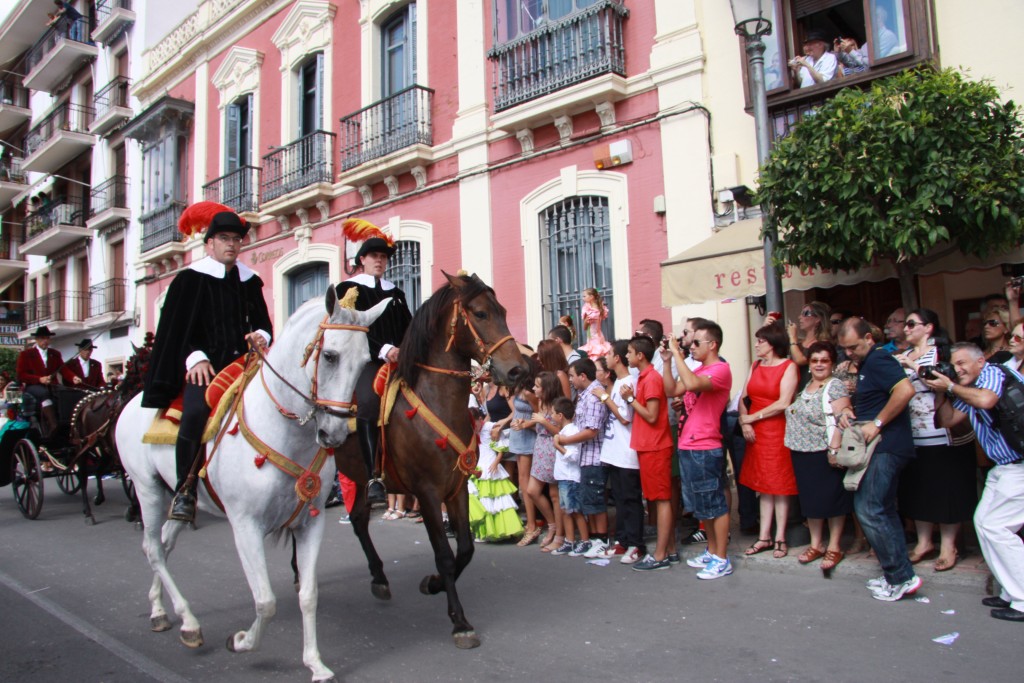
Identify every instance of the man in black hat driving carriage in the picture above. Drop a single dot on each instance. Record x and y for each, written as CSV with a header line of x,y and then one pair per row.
x,y
385,335
37,369
214,309
83,371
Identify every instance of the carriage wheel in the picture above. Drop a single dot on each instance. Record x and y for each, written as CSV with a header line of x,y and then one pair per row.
x,y
68,481
27,482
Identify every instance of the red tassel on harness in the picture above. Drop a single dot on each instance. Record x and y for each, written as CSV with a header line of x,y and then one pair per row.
x,y
313,512
259,460
442,443
411,413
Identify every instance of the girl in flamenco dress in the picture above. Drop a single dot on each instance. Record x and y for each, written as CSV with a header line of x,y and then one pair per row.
x,y
594,313
493,514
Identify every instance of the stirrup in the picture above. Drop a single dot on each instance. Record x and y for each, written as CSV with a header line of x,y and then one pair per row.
x,y
376,485
183,507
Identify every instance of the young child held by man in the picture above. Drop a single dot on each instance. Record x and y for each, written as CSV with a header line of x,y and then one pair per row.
x,y
567,474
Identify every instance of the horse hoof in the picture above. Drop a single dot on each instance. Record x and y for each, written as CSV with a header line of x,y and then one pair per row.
x,y
382,591
425,585
99,500
192,639
466,640
230,645
90,521
159,624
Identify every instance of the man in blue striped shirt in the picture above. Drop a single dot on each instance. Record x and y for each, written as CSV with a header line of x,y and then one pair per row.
x,y
1000,513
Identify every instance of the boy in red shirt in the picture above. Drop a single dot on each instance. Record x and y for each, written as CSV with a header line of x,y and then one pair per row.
x,y
652,441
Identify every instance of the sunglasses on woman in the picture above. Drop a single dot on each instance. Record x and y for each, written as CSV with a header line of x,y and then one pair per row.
x,y
1017,338
807,313
993,323
912,323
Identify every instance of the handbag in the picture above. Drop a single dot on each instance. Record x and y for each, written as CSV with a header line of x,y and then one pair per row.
x,y
855,455
830,417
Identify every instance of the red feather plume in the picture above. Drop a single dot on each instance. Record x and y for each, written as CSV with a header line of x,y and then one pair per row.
x,y
196,218
358,230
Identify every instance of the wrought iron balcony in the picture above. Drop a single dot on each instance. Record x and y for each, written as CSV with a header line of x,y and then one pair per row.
x,y
11,261
559,54
54,226
109,203
236,189
394,123
56,307
12,179
107,297
298,165
61,136
14,109
112,17
160,227
112,106
58,54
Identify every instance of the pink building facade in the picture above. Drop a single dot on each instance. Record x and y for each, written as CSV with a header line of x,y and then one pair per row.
x,y
521,140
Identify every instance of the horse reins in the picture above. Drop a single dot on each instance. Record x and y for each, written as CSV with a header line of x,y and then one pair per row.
x,y
459,311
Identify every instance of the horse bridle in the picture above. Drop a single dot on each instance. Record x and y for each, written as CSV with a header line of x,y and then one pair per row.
x,y
459,312
341,409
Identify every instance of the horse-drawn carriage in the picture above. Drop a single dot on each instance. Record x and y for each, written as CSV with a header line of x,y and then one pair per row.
x,y
77,449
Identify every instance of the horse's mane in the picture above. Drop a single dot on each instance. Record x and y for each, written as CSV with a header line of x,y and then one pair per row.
x,y
432,319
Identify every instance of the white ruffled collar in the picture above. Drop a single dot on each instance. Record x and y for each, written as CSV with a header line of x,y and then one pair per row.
x,y
209,266
368,280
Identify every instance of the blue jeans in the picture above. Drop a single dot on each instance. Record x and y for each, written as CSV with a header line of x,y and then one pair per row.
x,y
703,475
875,505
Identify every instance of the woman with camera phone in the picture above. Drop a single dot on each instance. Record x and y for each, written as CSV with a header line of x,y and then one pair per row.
x,y
938,486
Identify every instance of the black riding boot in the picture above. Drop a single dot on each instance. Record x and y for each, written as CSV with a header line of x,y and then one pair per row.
x,y
183,507
369,439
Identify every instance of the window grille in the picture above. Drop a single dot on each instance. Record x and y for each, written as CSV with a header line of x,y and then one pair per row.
x,y
576,254
404,270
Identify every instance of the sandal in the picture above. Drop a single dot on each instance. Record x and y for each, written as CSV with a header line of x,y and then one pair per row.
x,y
781,550
555,542
528,538
944,565
759,546
388,515
413,514
916,558
810,555
832,558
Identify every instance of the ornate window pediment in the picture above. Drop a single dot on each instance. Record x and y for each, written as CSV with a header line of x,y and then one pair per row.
x,y
238,75
306,29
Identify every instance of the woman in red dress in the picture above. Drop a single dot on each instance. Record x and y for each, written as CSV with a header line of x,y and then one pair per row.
x,y
767,466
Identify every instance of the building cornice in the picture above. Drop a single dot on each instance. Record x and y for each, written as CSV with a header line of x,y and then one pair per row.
x,y
213,27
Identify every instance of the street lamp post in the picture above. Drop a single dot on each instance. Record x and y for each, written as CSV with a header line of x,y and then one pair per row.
x,y
752,24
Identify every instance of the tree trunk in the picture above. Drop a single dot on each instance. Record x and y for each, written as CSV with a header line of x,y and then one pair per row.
x,y
908,285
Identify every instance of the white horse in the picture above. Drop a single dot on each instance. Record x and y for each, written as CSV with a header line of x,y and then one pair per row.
x,y
259,498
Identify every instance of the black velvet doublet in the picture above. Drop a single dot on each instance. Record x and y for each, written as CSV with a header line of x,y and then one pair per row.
x,y
390,327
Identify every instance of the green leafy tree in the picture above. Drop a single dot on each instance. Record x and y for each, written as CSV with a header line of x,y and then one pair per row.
x,y
920,164
8,359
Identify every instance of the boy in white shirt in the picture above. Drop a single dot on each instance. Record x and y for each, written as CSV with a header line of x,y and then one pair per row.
x,y
567,474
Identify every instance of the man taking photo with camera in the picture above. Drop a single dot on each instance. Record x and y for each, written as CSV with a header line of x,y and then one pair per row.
x,y
976,396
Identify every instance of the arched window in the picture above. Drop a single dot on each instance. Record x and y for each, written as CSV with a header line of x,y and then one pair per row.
x,y
404,270
576,254
306,283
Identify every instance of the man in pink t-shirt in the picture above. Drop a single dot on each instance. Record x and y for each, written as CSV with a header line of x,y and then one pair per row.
x,y
701,457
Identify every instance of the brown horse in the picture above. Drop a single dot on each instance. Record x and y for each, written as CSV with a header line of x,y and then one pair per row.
x,y
430,445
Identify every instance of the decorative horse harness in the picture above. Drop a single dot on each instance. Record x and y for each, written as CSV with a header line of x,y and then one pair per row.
x,y
307,480
466,457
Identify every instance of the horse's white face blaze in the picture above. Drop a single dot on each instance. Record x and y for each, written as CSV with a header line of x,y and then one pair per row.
x,y
342,357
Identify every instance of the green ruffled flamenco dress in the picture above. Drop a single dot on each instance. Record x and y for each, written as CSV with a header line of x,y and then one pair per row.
x,y
493,514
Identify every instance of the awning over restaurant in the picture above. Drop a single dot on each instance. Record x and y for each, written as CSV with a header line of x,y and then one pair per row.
x,y
730,265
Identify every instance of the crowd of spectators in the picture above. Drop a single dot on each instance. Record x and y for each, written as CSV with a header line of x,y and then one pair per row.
x,y
649,426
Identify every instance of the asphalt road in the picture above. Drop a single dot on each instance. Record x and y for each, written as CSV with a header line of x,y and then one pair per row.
x,y
73,607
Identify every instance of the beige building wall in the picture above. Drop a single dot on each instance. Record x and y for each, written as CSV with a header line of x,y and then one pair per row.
x,y
981,36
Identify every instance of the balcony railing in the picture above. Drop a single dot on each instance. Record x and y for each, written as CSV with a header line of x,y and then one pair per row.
x,y
107,297
104,8
9,247
59,306
62,212
236,189
160,227
10,170
560,54
396,122
110,194
13,93
65,29
113,94
297,165
70,117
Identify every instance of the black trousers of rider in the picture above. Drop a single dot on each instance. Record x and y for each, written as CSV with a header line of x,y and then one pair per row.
x,y
194,413
368,415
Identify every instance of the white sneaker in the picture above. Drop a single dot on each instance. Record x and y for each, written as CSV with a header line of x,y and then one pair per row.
x,y
613,551
631,556
716,568
597,548
876,584
893,593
